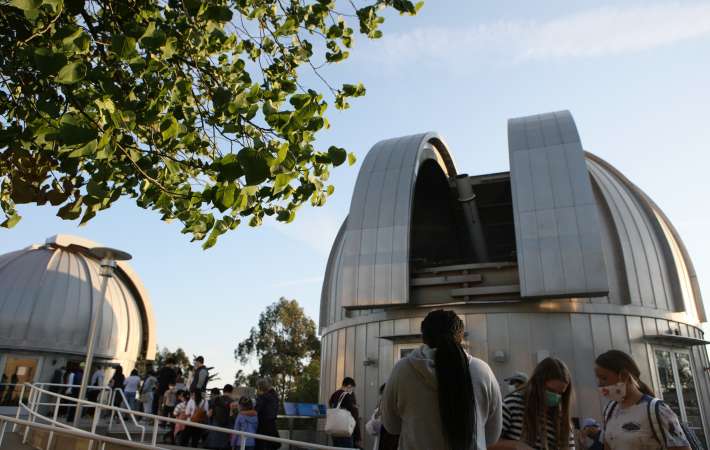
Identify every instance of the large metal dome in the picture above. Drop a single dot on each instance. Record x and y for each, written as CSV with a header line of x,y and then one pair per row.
x,y
46,297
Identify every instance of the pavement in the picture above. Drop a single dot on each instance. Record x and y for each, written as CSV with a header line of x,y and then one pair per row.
x,y
13,441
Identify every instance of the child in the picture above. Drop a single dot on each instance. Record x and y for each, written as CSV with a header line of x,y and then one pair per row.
x,y
179,413
168,402
247,420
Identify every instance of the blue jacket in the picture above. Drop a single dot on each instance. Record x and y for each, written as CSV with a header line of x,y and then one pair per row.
x,y
246,421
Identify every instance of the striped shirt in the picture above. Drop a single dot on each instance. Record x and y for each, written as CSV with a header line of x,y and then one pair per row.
x,y
513,409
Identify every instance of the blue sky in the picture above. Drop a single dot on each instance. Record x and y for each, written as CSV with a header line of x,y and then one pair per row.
x,y
634,74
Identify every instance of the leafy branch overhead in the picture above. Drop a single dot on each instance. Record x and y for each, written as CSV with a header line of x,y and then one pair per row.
x,y
195,108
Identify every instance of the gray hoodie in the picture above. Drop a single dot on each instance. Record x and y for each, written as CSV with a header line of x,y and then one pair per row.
x,y
410,403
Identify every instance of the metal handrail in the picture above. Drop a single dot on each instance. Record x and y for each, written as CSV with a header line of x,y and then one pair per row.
x,y
124,401
36,391
4,420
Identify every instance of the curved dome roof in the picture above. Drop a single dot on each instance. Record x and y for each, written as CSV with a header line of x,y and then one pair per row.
x,y
645,261
46,298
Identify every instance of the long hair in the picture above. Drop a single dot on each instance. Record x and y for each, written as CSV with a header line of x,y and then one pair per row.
x,y
536,411
619,362
443,331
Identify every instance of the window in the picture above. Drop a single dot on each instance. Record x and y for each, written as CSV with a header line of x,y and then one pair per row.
x,y
402,350
677,387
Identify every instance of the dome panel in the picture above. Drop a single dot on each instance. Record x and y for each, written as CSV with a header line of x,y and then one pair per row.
x,y
46,298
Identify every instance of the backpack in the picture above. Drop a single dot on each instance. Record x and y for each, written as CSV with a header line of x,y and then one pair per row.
x,y
654,418
339,422
199,416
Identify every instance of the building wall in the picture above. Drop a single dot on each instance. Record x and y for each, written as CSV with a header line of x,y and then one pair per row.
x,y
575,331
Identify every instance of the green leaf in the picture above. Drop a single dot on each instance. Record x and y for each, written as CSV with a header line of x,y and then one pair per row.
x,y
228,168
76,134
49,62
281,181
71,73
256,168
123,46
218,13
169,128
86,150
352,159
71,211
26,5
337,155
11,220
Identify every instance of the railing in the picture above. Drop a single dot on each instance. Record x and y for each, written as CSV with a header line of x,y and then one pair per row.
x,y
36,393
124,401
4,420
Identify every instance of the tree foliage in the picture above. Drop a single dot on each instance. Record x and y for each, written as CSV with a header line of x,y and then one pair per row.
x,y
284,343
194,108
182,362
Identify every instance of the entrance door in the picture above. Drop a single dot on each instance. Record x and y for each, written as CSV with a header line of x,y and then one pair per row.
x,y
675,375
18,369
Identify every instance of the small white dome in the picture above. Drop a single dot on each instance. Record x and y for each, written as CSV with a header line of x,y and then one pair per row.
x,y
46,297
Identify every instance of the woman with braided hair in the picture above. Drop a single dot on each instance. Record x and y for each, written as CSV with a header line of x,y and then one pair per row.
x,y
439,396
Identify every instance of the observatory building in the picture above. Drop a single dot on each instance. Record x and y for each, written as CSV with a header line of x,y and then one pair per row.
x,y
47,293
561,256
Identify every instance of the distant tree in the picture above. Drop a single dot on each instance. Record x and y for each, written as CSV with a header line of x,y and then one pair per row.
x,y
284,344
307,384
197,109
242,378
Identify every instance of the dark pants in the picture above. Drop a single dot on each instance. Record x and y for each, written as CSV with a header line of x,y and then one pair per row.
x,y
191,436
343,442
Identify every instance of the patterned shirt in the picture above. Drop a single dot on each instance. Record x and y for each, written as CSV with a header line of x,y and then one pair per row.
x,y
513,411
630,429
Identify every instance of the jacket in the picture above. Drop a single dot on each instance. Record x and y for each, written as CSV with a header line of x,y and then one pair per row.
x,y
267,408
246,421
350,404
410,403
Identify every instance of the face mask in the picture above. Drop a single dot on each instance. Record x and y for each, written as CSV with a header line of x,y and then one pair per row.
x,y
552,399
615,392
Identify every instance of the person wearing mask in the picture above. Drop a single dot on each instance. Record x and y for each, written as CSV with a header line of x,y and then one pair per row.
x,y
344,398
538,417
200,377
440,397
590,435
248,421
219,406
130,387
516,381
634,419
148,392
267,408
167,376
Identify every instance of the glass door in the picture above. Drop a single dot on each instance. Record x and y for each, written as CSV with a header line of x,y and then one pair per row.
x,y
675,376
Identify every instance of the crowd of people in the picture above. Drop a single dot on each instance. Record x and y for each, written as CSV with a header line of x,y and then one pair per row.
x,y
440,397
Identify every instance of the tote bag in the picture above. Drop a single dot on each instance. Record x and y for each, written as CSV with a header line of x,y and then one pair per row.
x,y
339,422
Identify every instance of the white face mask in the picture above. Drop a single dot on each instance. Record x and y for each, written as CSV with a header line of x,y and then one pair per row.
x,y
615,392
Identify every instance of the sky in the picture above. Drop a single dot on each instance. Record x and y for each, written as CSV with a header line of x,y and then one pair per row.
x,y
635,75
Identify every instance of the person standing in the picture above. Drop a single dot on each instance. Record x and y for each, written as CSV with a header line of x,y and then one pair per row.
x,y
590,435
247,420
200,377
219,408
516,381
634,419
344,398
97,381
148,392
383,439
440,397
267,408
167,376
196,412
116,382
130,388
538,417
